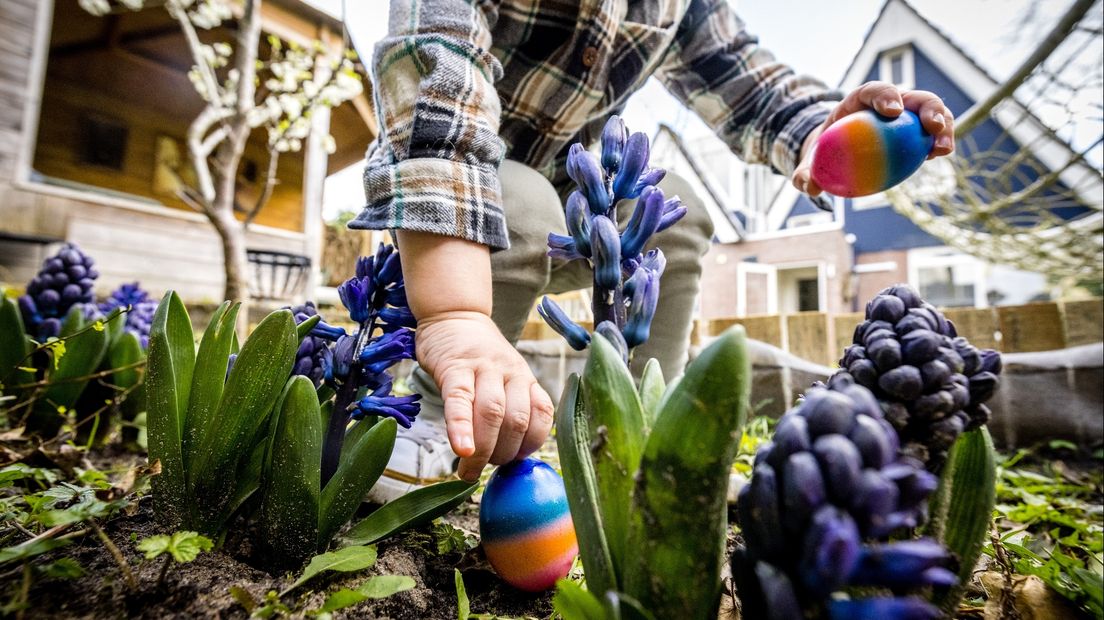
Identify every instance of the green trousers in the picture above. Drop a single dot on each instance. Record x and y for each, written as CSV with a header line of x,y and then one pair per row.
x,y
523,273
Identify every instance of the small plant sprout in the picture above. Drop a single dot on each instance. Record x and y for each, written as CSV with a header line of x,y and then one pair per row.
x,y
178,547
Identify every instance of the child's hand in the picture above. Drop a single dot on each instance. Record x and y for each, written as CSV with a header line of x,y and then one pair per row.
x,y
494,408
490,394
886,100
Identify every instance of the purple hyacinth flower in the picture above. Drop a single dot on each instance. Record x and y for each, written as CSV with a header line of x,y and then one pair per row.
x,y
644,296
650,177
905,564
633,162
642,225
577,213
832,550
394,317
562,247
380,403
613,143
354,294
326,331
341,363
673,211
590,178
778,592
880,608
609,331
654,261
388,349
605,245
65,280
557,319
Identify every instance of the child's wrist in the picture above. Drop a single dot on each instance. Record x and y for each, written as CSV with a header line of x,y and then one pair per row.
x,y
445,275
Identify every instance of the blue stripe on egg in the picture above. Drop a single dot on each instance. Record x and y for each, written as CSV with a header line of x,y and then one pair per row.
x,y
519,505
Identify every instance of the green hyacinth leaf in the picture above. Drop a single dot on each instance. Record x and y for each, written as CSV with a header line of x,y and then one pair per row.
x,y
124,355
169,366
209,377
573,444
347,560
14,347
616,433
230,437
303,329
360,468
652,387
679,515
572,602
621,606
85,350
293,486
962,507
418,507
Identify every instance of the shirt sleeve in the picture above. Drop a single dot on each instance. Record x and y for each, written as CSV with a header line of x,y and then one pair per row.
x,y
757,105
434,167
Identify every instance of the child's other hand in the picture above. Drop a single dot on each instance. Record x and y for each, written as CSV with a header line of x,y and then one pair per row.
x,y
887,100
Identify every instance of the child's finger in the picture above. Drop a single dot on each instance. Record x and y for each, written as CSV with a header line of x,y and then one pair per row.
x,y
515,423
541,413
490,407
882,96
458,391
935,117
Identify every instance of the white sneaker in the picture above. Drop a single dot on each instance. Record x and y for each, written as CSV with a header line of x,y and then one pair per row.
x,y
422,456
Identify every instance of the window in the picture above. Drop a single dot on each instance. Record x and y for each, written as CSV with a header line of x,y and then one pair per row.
x,y
946,285
896,67
947,278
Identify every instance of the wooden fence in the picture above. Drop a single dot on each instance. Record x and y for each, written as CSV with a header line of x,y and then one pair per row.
x,y
821,338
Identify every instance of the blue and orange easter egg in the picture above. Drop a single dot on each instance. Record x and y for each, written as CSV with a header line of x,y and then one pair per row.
x,y
865,153
526,526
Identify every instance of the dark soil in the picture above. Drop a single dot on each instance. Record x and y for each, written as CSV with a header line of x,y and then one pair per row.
x,y
202,589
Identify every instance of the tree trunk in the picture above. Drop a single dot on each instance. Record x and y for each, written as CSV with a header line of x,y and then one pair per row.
x,y
235,263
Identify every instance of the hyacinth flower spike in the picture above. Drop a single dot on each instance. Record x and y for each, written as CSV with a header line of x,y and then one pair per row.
x,y
824,495
65,280
376,301
616,256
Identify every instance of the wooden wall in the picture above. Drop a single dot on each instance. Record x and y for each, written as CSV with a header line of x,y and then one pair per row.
x,y
124,83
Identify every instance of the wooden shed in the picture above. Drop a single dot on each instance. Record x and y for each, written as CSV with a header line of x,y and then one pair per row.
x,y
93,110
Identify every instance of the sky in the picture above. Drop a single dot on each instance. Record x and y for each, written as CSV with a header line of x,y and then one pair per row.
x,y
821,42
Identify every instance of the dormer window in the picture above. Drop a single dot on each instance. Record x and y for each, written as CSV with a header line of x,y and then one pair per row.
x,y
896,67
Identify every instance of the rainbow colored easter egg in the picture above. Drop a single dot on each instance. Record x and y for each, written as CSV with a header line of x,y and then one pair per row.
x,y
865,153
526,526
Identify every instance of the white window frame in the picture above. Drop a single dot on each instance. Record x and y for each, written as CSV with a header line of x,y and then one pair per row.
x,y
805,220
945,256
908,66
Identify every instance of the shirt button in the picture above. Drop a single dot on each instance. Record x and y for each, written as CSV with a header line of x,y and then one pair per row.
x,y
590,56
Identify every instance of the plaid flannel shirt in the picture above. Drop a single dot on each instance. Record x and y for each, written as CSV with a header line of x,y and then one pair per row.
x,y
461,84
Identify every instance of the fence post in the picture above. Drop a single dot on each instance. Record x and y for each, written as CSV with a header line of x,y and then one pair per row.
x,y
978,325
1034,327
808,337
1084,321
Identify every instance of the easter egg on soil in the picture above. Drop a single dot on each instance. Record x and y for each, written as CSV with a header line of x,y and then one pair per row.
x,y
526,526
865,153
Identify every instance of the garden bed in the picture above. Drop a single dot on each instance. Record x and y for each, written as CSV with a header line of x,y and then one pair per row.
x,y
1049,503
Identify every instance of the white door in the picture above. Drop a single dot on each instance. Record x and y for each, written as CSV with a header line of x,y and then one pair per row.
x,y
756,289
